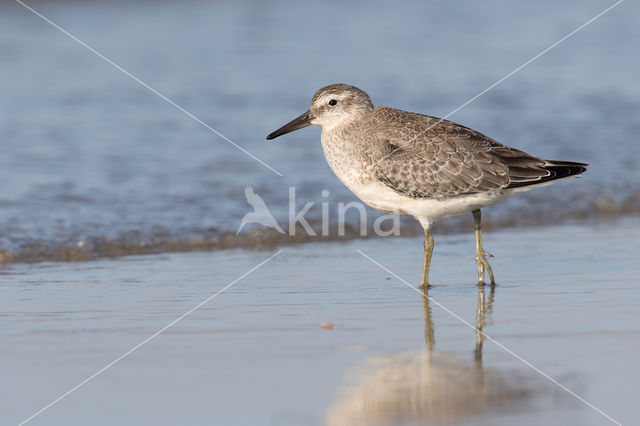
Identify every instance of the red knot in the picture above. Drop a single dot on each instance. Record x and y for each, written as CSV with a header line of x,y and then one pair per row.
x,y
417,165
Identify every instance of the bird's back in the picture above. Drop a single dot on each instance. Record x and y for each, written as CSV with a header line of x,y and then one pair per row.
x,y
426,157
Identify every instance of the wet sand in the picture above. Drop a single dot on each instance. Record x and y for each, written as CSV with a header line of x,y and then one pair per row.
x,y
568,301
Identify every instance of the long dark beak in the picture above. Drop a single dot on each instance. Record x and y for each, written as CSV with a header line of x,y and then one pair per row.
x,y
297,123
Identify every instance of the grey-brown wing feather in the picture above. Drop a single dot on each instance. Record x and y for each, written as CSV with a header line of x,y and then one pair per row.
x,y
426,157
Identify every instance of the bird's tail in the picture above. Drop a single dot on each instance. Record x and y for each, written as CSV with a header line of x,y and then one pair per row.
x,y
563,169
557,170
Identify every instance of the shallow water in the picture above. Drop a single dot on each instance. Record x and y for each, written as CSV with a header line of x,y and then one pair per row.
x,y
94,165
567,302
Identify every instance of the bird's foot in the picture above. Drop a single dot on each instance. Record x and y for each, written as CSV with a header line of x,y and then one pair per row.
x,y
425,286
483,264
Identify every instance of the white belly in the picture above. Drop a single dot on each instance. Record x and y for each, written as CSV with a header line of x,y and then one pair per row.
x,y
381,197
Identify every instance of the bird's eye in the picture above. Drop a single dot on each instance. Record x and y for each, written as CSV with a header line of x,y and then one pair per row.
x,y
333,102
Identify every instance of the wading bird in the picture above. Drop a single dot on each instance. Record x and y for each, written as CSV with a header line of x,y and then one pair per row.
x,y
416,165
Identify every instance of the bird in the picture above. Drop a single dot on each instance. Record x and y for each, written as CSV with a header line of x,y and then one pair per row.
x,y
417,165
260,213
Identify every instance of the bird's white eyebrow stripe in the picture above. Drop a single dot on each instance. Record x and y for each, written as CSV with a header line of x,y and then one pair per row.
x,y
146,86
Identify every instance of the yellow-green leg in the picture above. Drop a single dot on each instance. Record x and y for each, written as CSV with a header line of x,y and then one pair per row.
x,y
428,250
481,255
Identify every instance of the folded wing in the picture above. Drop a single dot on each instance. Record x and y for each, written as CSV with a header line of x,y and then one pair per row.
x,y
429,158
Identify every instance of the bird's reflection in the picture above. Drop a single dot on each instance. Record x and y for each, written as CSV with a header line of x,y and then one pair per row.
x,y
426,386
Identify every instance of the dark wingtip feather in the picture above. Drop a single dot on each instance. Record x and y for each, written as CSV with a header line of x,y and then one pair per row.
x,y
566,168
557,170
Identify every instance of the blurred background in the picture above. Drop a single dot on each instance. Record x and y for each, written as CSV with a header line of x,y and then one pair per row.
x,y
93,164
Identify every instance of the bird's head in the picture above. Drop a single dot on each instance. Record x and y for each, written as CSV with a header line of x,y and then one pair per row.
x,y
331,106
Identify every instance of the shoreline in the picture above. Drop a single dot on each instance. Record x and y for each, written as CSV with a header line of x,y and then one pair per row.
x,y
259,239
562,303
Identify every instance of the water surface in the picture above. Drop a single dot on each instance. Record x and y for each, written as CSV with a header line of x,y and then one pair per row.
x,y
257,354
95,165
